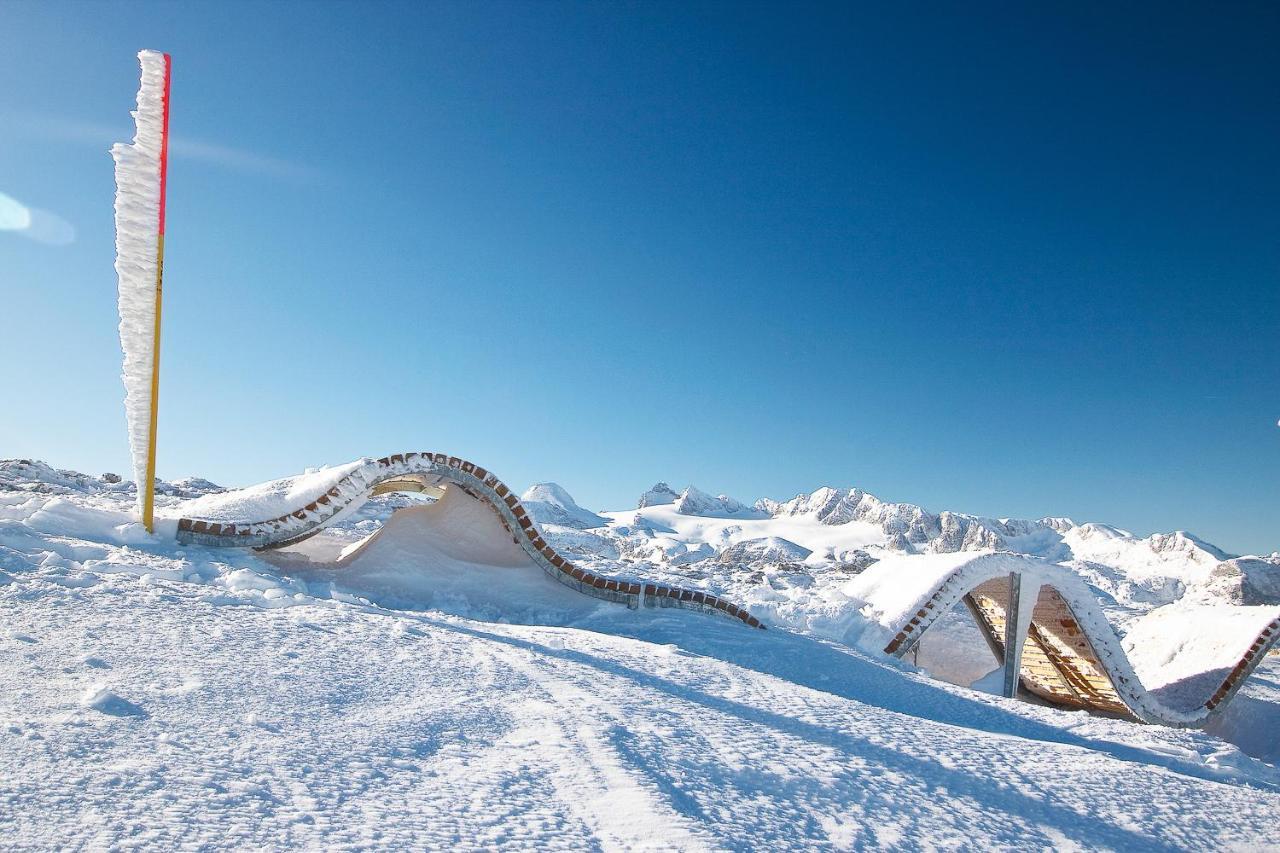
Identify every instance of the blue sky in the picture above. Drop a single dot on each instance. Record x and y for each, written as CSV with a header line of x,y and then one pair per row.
x,y
1000,260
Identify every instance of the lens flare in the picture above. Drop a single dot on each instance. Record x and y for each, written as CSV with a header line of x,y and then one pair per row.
x,y
14,215
42,226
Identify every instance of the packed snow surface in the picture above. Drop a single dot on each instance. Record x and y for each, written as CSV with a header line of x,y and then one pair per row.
x,y
413,681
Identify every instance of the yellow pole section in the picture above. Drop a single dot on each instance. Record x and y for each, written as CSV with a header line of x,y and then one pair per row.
x,y
149,498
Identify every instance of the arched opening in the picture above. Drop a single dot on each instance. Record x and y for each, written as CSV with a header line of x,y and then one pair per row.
x,y
956,649
1058,663
411,483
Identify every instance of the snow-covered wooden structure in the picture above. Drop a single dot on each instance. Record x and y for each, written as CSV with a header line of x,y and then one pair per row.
x,y
314,503
1064,650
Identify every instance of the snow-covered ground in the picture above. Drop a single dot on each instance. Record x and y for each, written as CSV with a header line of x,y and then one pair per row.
x,y
406,695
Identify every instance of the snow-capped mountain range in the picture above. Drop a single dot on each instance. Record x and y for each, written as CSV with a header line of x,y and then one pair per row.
x,y
847,529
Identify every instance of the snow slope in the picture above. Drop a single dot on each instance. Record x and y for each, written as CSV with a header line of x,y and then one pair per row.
x,y
408,694
237,718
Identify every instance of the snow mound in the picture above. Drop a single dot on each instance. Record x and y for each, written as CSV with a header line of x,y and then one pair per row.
x,y
1183,651
265,500
549,503
451,554
103,700
887,593
195,487
1244,581
768,550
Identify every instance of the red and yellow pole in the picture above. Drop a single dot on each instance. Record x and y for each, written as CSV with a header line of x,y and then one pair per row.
x,y
149,499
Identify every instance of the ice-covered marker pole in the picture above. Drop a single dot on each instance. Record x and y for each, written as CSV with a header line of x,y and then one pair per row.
x,y
140,189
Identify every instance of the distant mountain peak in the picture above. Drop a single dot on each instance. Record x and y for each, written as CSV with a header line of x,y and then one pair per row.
x,y
694,501
910,528
1182,541
767,550
549,503
660,494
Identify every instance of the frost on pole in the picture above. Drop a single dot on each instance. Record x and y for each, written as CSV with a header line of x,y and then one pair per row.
x,y
139,263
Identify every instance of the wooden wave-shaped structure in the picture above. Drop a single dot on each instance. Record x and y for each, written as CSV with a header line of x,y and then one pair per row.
x,y
434,472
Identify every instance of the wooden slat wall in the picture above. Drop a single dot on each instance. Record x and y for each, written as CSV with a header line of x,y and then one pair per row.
x,y
1058,662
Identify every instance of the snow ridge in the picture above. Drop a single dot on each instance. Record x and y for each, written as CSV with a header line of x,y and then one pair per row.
x,y
911,529
694,501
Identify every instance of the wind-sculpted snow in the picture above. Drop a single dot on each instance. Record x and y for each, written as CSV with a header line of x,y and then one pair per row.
x,y
271,499
137,228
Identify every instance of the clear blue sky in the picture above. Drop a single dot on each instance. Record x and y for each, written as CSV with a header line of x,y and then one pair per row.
x,y
1003,260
